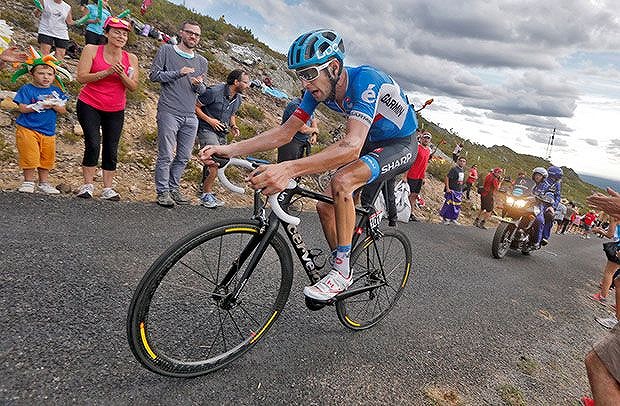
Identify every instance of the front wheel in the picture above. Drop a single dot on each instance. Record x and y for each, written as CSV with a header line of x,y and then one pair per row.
x,y
182,321
384,263
502,239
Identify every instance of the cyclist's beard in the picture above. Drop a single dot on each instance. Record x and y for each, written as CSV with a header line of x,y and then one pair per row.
x,y
332,92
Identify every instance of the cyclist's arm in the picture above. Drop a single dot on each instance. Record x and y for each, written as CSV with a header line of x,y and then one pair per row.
x,y
334,156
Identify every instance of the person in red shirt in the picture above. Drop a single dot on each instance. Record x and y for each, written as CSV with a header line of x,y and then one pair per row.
x,y
415,175
490,186
471,180
588,220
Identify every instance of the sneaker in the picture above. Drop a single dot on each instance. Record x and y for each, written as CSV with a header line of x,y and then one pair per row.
x,y
544,242
26,187
391,223
328,287
218,202
86,191
607,322
445,221
164,199
598,298
481,225
208,200
48,189
179,198
110,194
413,218
476,222
455,222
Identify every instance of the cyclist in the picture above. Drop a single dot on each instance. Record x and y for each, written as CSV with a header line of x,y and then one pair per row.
x,y
377,144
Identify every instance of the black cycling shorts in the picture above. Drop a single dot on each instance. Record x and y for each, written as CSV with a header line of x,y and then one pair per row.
x,y
389,158
53,41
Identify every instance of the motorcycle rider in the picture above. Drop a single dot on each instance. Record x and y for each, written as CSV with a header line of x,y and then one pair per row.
x,y
551,188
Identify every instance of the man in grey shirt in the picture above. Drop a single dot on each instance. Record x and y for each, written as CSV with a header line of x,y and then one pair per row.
x,y
181,72
216,109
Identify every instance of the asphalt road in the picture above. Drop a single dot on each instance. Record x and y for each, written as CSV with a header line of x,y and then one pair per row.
x,y
468,326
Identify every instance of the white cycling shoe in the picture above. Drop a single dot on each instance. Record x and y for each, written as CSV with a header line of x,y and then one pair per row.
x,y
328,287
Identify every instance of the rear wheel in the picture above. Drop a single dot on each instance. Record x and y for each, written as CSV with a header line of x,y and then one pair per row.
x,y
384,263
502,239
182,321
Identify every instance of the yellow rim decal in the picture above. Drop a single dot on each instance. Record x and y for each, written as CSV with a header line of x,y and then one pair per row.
x,y
146,344
351,322
262,330
230,230
406,275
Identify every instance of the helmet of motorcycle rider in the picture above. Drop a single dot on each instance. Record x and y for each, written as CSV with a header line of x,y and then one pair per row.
x,y
539,170
315,48
555,172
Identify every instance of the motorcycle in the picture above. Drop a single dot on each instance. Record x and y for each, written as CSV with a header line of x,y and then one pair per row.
x,y
516,229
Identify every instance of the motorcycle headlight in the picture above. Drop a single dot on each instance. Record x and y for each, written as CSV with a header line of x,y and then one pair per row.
x,y
510,200
519,203
536,210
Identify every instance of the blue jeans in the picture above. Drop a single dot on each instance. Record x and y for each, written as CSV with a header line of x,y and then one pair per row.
x,y
174,133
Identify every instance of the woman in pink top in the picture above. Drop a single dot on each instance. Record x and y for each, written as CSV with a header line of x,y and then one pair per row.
x,y
107,72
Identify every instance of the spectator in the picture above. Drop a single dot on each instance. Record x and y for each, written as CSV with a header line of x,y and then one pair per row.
x,y
304,137
93,34
216,109
560,213
181,73
453,193
611,251
570,211
576,221
588,220
491,185
417,172
53,30
457,151
39,103
107,71
472,179
603,362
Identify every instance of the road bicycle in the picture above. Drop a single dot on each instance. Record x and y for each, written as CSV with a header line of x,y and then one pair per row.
x,y
214,294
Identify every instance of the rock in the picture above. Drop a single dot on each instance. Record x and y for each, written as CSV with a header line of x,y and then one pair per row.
x,y
64,188
5,119
77,130
8,104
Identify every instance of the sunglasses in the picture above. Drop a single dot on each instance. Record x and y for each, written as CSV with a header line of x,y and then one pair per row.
x,y
311,73
191,33
116,20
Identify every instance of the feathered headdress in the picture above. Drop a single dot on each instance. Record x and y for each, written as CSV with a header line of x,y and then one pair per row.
x,y
49,60
5,35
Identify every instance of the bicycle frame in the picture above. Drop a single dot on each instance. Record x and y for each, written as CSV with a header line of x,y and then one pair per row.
x,y
369,221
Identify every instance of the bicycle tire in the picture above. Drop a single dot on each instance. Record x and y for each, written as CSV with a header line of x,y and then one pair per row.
x,y
175,324
386,262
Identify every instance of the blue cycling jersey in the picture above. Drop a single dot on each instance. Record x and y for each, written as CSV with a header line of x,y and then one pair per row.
x,y
373,98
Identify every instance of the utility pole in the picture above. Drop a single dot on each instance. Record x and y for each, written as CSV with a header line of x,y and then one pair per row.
x,y
550,146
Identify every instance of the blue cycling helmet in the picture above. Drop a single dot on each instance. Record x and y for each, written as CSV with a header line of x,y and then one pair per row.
x,y
315,48
555,172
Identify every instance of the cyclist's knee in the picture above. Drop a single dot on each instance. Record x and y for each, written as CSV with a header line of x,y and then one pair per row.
x,y
342,184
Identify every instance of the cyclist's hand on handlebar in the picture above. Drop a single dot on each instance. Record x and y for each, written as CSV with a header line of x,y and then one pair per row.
x,y
270,179
210,150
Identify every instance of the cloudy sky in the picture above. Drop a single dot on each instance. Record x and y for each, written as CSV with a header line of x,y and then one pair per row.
x,y
501,72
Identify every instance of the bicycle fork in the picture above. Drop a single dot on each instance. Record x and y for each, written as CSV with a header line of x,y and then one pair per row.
x,y
256,247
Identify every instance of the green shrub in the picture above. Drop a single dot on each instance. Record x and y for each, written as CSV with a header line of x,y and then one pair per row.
x,y
70,137
250,111
438,168
193,172
7,153
245,131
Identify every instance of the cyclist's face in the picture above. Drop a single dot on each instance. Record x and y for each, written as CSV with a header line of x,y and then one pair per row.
x,y
321,87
